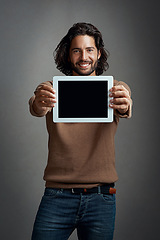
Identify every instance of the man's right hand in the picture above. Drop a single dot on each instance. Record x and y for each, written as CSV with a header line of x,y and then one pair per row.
x,y
45,99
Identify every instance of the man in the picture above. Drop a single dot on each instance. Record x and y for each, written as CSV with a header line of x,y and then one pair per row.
x,y
80,172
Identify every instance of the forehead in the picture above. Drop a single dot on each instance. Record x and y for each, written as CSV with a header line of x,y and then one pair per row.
x,y
82,41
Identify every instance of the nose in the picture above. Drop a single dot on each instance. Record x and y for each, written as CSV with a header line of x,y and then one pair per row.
x,y
83,55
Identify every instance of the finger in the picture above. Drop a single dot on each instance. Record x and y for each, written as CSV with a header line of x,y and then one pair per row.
x,y
44,105
44,93
46,100
119,101
45,87
118,94
47,103
118,88
121,107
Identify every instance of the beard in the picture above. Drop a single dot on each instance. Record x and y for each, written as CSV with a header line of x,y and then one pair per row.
x,y
82,72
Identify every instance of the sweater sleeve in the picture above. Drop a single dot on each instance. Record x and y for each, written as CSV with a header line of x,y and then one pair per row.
x,y
31,100
128,114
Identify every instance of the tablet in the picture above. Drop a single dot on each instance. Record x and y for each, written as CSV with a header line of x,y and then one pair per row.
x,y
82,99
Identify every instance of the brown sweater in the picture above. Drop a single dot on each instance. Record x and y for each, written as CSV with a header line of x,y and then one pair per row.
x,y
80,154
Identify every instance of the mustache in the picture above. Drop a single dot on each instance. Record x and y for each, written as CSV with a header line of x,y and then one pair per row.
x,y
83,62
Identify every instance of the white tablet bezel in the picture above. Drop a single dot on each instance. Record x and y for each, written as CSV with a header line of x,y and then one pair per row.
x,y
56,79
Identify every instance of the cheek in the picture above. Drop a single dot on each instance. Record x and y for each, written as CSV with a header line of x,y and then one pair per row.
x,y
94,57
74,59
71,58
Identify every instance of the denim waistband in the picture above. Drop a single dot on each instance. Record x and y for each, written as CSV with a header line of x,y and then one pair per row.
x,y
104,189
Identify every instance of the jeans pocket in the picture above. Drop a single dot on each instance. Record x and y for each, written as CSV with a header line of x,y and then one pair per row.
x,y
50,192
109,198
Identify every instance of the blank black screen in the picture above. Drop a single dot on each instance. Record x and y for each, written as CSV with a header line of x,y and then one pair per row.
x,y
82,99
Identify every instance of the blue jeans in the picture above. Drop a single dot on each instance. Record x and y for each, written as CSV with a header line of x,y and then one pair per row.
x,y
61,211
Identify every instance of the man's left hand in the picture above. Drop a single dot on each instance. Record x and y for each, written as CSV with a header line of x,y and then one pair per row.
x,y
121,99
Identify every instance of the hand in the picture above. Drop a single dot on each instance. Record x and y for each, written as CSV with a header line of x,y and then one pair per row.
x,y
45,99
121,99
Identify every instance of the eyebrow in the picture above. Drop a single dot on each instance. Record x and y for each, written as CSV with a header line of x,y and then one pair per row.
x,y
80,48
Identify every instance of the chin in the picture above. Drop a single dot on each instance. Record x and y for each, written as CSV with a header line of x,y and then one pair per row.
x,y
83,73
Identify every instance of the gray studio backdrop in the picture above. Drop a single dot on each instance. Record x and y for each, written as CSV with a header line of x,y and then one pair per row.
x,y
30,31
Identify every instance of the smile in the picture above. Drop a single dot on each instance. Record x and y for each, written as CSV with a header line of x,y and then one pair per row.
x,y
83,65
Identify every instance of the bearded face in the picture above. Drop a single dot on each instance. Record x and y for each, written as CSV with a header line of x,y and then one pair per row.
x,y
83,55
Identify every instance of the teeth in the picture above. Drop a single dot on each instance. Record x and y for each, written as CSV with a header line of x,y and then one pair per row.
x,y
84,65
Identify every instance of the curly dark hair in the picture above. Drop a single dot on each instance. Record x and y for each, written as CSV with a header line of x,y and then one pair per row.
x,y
61,52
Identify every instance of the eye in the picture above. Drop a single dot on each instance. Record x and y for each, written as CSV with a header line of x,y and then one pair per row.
x,y
76,51
90,50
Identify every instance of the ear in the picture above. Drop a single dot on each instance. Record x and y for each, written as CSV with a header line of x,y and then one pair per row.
x,y
99,54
